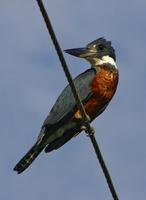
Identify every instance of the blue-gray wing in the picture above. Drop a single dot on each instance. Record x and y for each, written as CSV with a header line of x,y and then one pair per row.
x,y
65,106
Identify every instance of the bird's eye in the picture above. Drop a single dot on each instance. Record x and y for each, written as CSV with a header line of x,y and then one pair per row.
x,y
100,47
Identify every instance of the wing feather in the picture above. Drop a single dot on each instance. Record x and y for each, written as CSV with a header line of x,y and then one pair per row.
x,y
65,105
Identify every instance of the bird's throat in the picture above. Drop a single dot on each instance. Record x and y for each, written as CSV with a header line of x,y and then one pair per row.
x,y
102,61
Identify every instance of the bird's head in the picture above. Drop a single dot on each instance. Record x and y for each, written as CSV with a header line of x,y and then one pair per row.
x,y
97,52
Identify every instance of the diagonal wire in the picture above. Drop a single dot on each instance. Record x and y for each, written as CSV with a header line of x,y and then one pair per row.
x,y
85,117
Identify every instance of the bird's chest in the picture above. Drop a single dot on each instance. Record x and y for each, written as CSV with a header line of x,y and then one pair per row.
x,y
104,83
103,88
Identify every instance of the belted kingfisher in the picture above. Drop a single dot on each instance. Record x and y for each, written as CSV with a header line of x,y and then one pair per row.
x,y
96,87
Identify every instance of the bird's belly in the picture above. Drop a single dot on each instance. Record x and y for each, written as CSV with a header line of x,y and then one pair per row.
x,y
71,125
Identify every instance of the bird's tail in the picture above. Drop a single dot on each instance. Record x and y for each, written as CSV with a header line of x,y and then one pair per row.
x,y
32,153
28,158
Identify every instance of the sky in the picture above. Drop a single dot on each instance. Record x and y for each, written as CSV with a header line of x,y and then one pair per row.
x,y
31,78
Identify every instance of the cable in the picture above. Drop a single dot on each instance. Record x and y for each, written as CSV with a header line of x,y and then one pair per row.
x,y
86,119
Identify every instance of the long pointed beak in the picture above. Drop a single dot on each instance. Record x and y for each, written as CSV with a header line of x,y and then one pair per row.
x,y
81,52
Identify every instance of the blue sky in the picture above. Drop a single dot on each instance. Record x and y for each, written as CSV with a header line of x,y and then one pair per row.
x,y
31,79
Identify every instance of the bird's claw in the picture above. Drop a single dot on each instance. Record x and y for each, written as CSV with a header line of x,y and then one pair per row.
x,y
84,128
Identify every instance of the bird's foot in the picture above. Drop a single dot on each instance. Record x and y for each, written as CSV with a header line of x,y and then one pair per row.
x,y
84,128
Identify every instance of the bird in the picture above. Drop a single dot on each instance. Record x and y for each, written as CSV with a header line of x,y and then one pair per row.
x,y
96,87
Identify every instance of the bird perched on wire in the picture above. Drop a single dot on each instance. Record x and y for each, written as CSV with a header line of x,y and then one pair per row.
x,y
96,87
